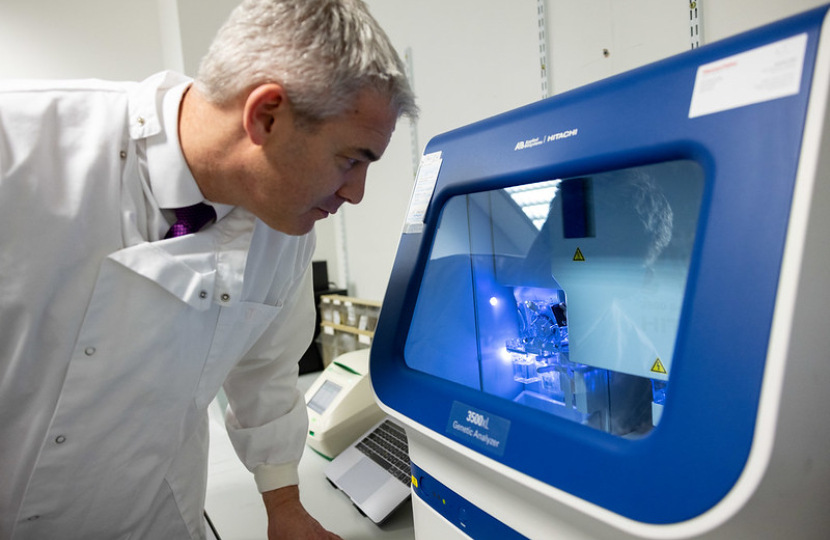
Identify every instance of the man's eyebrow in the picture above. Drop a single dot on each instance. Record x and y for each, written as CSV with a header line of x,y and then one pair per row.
x,y
368,154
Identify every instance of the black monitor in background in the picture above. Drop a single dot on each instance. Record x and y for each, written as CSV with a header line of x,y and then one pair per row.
x,y
320,271
312,360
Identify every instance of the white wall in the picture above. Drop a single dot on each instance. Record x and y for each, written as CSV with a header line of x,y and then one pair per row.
x,y
724,18
594,39
112,39
108,39
198,22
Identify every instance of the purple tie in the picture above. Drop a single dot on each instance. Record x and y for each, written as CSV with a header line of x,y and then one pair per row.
x,y
191,219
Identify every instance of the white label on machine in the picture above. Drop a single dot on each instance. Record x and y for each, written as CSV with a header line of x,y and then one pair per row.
x,y
422,193
763,74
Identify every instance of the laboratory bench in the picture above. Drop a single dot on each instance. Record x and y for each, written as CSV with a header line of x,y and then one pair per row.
x,y
235,507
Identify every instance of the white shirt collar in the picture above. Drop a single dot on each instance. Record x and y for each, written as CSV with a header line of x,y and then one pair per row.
x,y
170,179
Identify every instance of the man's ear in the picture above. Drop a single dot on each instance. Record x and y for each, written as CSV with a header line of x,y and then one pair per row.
x,y
265,105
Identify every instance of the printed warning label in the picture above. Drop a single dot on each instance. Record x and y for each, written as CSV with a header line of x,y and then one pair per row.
x,y
578,256
658,367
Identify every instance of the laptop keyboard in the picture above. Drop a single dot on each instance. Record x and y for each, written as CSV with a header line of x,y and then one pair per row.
x,y
386,445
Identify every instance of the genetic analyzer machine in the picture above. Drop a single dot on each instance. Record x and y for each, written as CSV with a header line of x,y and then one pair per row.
x,y
608,314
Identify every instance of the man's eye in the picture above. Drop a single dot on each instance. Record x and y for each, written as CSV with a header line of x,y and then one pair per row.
x,y
349,162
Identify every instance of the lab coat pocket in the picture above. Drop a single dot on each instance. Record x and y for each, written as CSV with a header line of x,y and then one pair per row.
x,y
240,326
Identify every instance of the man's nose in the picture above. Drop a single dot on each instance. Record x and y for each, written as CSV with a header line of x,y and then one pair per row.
x,y
353,188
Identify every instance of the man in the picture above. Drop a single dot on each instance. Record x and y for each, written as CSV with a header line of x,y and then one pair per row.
x,y
119,324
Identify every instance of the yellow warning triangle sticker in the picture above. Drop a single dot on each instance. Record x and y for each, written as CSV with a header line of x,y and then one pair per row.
x,y
578,256
658,367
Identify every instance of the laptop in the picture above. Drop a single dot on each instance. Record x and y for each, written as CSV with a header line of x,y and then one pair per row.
x,y
374,471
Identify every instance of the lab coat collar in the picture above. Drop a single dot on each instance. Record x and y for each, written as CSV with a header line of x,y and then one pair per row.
x,y
144,105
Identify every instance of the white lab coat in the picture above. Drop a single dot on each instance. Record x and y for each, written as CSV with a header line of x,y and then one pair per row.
x,y
112,346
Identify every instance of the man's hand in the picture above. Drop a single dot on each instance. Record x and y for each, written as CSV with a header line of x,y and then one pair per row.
x,y
288,520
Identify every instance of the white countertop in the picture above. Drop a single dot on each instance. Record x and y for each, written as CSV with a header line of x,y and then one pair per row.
x,y
235,507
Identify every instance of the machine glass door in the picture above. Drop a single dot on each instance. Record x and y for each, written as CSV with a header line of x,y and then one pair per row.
x,y
563,295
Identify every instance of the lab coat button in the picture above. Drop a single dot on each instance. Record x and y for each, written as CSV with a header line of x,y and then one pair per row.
x,y
203,295
140,121
226,297
123,154
89,351
60,439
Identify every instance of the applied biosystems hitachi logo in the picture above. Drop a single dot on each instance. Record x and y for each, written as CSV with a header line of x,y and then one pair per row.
x,y
538,141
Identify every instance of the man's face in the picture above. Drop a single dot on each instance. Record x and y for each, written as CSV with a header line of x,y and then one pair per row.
x,y
305,174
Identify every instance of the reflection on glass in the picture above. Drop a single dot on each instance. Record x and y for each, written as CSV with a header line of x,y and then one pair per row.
x,y
574,313
534,199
